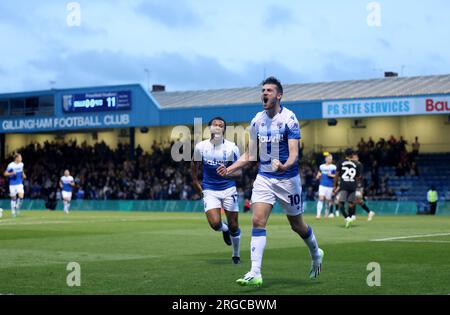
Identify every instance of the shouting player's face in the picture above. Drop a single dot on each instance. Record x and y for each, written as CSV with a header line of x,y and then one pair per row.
x,y
217,128
270,96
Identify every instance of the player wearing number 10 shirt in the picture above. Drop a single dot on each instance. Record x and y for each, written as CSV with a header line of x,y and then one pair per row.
x,y
275,133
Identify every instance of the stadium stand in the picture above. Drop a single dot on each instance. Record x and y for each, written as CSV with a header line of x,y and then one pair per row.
x,y
105,174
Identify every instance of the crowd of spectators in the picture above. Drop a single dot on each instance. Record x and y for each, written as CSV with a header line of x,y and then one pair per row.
x,y
392,152
103,173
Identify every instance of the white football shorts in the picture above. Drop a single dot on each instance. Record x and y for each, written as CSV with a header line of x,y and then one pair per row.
x,y
67,195
325,191
217,199
288,191
15,189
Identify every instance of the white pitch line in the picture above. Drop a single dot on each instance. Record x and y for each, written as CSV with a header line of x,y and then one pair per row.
x,y
406,237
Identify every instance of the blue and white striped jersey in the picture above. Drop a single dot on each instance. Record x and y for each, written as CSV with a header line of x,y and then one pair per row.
x,y
17,178
272,135
212,155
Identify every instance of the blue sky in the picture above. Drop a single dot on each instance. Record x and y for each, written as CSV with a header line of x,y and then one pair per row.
x,y
200,44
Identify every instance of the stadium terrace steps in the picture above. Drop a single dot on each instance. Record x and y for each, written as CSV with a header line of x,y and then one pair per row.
x,y
415,188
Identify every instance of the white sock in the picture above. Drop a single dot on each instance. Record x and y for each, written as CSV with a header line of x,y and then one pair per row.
x,y
319,208
257,246
236,241
311,242
223,227
13,206
66,206
18,203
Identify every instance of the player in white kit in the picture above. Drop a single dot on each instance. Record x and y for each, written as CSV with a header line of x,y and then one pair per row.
x,y
275,132
326,174
218,192
16,175
66,183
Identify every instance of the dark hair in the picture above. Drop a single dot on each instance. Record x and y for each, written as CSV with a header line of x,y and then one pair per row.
x,y
275,81
348,152
218,118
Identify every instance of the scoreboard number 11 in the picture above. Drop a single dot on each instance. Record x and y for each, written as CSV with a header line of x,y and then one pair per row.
x,y
111,101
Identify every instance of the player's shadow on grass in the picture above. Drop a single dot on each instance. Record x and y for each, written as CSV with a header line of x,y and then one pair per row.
x,y
273,283
352,227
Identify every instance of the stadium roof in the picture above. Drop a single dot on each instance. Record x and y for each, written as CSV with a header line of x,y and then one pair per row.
x,y
357,89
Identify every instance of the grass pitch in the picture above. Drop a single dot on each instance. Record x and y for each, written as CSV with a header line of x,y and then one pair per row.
x,y
177,253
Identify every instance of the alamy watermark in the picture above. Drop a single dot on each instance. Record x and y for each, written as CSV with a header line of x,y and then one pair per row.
x,y
374,277
374,16
266,147
74,16
74,277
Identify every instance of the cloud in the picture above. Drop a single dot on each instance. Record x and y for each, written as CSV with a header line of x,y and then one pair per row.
x,y
174,13
14,15
177,71
278,16
339,66
384,43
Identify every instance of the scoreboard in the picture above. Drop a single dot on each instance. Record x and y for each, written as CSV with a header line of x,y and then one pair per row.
x,y
97,101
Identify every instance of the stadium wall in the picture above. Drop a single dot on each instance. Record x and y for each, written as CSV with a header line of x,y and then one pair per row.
x,y
380,207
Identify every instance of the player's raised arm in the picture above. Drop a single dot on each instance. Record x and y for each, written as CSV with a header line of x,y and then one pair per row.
x,y
293,156
293,135
236,157
243,161
250,155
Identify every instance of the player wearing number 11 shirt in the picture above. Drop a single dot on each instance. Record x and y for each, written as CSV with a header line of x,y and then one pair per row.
x,y
348,173
275,132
